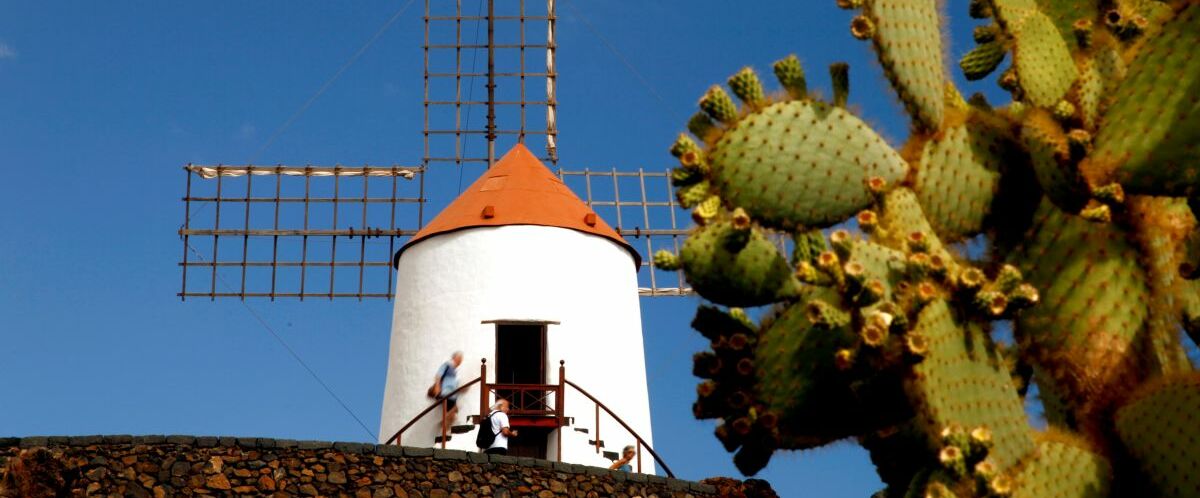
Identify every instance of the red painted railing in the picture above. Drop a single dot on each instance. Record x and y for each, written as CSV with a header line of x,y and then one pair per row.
x,y
533,400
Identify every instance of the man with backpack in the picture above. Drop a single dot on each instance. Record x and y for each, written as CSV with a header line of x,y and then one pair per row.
x,y
494,431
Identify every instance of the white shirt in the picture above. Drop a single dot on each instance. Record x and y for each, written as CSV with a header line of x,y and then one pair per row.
x,y
499,421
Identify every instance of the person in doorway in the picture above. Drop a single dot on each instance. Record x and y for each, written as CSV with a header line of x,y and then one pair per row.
x,y
444,385
500,428
622,463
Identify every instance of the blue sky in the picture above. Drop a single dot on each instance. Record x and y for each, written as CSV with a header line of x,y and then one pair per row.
x,y
103,102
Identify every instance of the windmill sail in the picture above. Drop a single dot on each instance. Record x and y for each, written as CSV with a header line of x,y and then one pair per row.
x,y
325,232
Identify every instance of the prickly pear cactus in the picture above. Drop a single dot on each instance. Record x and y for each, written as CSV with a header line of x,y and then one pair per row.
x,y
878,326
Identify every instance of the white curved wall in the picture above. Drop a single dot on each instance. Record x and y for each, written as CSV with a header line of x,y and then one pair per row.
x,y
448,284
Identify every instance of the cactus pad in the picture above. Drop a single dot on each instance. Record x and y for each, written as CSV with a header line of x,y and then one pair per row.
x,y
799,379
908,39
1043,62
1158,426
1062,466
801,163
962,382
956,178
1086,332
1065,13
1070,211
736,267
1148,136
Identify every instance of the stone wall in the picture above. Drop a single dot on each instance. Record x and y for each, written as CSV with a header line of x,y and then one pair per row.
x,y
187,465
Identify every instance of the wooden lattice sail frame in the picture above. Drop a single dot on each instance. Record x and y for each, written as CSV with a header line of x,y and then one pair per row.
x,y
328,232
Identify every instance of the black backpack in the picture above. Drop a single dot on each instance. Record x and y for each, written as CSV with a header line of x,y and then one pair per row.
x,y
485,437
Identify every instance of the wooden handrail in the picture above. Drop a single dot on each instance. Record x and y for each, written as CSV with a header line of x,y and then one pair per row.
x,y
635,435
435,404
560,393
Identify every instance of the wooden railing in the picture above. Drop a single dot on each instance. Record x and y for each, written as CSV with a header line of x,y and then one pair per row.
x,y
442,403
532,400
640,442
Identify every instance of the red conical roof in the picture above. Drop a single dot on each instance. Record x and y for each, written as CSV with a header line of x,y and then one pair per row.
x,y
518,190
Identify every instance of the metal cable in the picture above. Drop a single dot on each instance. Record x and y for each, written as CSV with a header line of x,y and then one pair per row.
x,y
329,82
292,352
620,56
470,94
321,91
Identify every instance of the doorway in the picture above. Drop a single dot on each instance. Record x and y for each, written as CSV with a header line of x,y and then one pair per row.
x,y
531,442
520,353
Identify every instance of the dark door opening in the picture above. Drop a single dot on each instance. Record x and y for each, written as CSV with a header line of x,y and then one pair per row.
x,y
521,359
520,353
530,442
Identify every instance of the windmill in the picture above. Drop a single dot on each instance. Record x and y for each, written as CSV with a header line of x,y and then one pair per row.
x,y
534,268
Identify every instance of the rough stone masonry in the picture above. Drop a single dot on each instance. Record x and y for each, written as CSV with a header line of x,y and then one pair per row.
x,y
158,466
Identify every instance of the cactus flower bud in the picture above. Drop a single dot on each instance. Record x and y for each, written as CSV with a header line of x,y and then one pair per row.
x,y
666,260
682,145
916,344
872,292
842,243
1023,296
719,106
991,302
700,125
1099,213
917,242
1001,485
747,87
790,74
839,72
843,359
862,27
1109,194
868,221
970,279
1082,29
741,220
1008,278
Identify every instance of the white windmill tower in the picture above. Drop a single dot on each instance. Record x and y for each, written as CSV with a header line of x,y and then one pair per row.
x,y
520,272
517,271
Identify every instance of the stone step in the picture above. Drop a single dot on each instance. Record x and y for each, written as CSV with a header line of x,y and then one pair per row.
x,y
438,439
611,455
581,429
462,429
592,443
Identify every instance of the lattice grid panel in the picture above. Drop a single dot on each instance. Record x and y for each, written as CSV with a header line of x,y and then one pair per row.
x,y
461,49
295,232
641,206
